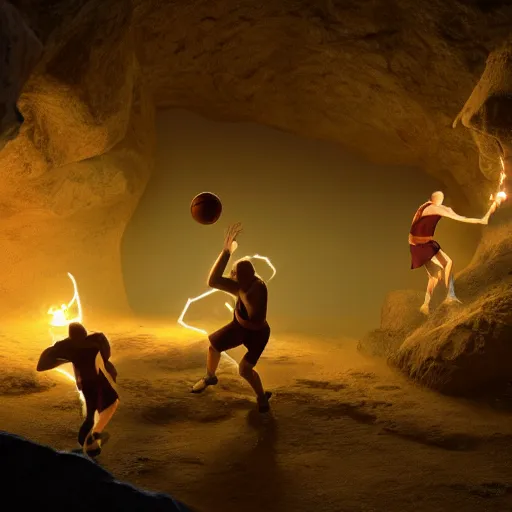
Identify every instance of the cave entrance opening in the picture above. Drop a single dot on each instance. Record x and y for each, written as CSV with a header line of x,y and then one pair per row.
x,y
334,226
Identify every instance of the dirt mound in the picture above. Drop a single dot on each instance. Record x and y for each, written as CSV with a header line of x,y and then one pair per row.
x,y
461,350
15,382
399,317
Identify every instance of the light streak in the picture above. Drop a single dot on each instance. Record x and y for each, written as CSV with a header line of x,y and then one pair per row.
x,y
60,317
500,195
192,300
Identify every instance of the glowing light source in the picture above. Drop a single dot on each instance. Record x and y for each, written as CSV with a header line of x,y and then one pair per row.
x,y
190,301
62,317
500,195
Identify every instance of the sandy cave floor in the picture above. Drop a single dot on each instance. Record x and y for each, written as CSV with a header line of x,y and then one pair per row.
x,y
345,432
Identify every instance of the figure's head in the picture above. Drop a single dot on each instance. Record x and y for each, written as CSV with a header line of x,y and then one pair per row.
x,y
76,331
243,271
437,197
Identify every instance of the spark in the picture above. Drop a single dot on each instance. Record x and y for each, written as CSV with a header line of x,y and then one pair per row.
x,y
230,308
60,316
500,195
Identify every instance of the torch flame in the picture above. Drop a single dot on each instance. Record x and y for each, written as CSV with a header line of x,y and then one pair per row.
x,y
500,195
60,316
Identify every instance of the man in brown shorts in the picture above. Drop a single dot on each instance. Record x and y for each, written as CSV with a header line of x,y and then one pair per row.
x,y
249,326
95,377
426,252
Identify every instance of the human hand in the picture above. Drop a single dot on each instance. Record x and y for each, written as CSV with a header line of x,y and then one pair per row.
x,y
230,243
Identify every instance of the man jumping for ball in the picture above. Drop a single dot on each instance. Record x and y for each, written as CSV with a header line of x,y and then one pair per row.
x,y
95,377
249,326
426,252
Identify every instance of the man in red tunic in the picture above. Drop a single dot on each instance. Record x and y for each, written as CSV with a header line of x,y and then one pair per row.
x,y
426,252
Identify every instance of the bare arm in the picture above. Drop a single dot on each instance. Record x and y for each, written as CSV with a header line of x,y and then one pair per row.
x,y
105,354
217,280
50,359
447,212
104,347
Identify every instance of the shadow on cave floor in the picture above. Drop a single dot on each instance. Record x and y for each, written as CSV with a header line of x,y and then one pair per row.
x,y
497,399
341,425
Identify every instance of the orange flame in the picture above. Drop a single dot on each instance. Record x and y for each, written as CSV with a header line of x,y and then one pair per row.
x,y
500,195
62,317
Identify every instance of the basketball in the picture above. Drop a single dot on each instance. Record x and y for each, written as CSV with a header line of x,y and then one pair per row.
x,y
206,208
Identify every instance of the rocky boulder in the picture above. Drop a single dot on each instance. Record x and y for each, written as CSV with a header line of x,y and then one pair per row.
x,y
38,477
464,350
399,317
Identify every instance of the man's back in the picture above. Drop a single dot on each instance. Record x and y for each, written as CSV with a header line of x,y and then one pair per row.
x,y
82,353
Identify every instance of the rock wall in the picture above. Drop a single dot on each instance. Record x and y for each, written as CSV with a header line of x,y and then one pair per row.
x,y
383,78
468,348
72,178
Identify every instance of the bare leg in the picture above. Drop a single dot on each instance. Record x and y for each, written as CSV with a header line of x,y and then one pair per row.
x,y
434,270
447,264
248,372
104,418
212,361
96,438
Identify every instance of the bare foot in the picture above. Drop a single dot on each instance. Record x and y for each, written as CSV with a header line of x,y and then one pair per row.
x,y
425,309
452,300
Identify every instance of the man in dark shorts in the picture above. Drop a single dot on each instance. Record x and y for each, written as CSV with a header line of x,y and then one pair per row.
x,y
249,326
426,252
95,377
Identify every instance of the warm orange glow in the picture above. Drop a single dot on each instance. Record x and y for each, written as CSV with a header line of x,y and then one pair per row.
x,y
500,195
62,317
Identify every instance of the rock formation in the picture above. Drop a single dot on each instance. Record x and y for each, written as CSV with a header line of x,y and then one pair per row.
x,y
74,175
20,49
400,316
466,349
383,78
39,477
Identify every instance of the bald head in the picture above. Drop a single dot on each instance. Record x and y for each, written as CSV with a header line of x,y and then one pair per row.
x,y
437,198
244,272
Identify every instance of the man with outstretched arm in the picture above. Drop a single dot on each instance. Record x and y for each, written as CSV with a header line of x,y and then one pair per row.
x,y
426,252
249,326
95,377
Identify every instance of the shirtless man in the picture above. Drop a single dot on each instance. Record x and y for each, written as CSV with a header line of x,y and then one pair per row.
x,y
249,326
425,251
95,377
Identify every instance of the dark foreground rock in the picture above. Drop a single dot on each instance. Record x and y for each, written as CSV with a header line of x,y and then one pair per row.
x,y
34,475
